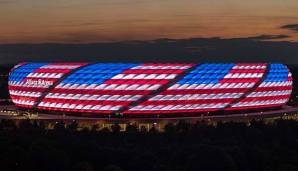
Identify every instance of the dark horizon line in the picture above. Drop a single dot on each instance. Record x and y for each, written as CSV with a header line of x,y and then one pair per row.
x,y
262,37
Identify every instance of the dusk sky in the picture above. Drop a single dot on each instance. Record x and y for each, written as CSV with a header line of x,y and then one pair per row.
x,y
84,21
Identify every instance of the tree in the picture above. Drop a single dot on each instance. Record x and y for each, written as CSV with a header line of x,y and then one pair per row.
x,y
105,130
94,127
25,125
153,129
116,128
83,166
209,158
8,124
131,128
143,129
112,168
59,126
73,126
183,126
170,128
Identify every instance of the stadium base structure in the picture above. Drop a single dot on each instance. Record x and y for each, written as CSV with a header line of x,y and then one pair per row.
x,y
150,89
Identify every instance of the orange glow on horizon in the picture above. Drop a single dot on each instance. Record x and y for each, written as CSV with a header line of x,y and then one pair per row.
x,y
87,21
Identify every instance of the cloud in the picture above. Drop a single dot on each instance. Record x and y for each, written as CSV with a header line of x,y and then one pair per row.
x,y
194,50
77,37
269,37
293,27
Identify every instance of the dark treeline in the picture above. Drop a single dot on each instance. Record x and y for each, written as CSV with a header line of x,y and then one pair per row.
x,y
196,50
294,97
181,147
4,71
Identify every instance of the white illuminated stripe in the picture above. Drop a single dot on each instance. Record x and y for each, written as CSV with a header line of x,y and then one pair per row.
x,y
145,76
276,84
244,75
210,86
24,102
68,86
24,93
196,96
110,86
128,87
179,107
239,66
45,75
259,103
94,97
76,86
79,106
162,67
23,84
289,74
53,66
270,93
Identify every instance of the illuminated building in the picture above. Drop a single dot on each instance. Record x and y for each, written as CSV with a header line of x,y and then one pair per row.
x,y
132,89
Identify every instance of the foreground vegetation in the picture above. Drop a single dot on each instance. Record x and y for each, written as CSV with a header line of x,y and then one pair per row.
x,y
182,147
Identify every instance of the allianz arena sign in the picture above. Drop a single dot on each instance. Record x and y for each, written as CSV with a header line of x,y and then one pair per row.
x,y
149,88
38,83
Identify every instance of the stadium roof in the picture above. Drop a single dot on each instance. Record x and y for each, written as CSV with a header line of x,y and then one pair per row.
x,y
150,88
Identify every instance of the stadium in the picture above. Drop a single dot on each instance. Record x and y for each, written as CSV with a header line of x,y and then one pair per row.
x,y
149,90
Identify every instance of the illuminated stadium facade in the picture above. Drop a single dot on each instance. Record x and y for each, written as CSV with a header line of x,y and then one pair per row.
x,y
130,89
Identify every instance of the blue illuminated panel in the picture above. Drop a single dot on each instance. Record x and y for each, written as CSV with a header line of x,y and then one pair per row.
x,y
97,73
207,74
